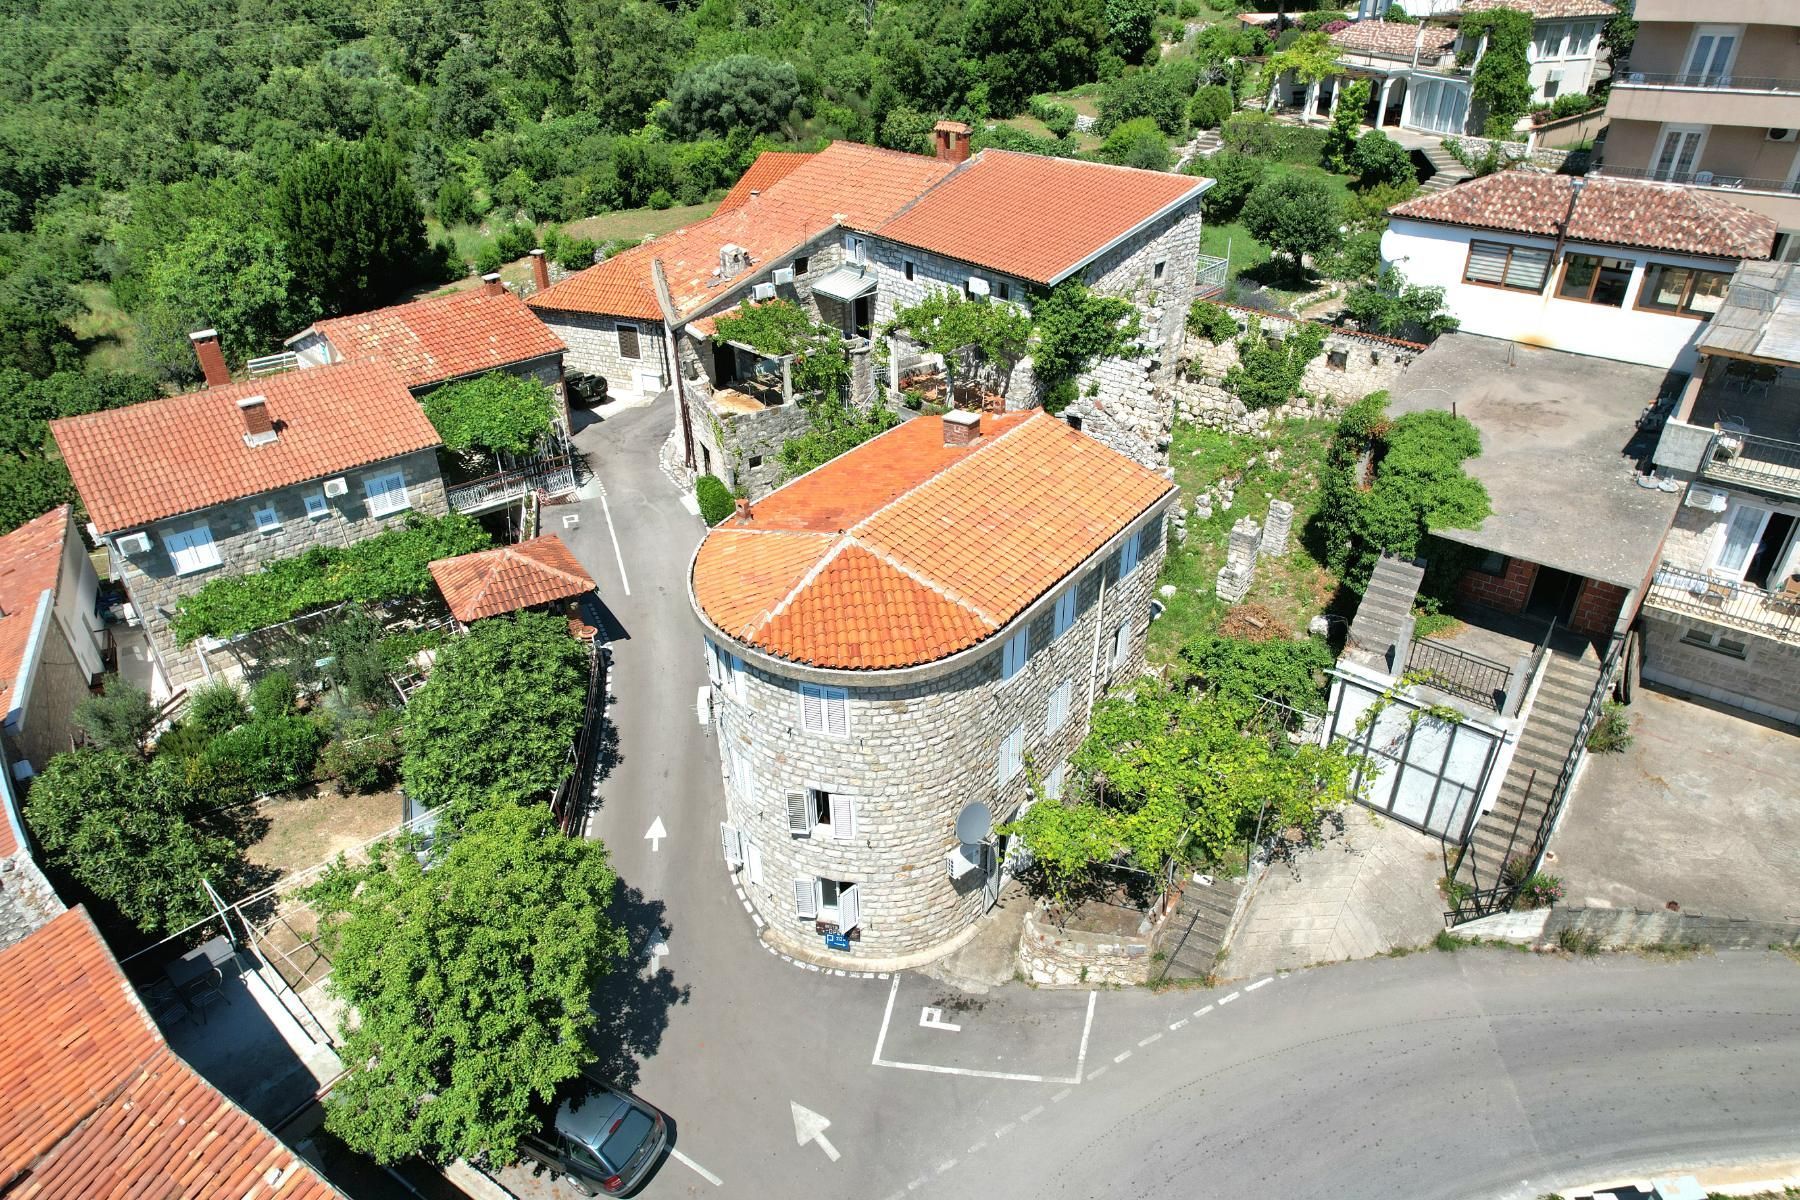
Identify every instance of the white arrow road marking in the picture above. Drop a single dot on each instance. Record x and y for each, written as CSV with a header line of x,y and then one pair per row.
x,y
659,948
656,834
809,1126
933,1018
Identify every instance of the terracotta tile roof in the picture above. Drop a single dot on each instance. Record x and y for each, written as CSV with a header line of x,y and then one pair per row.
x,y
30,557
904,550
98,1106
1546,10
769,169
1034,217
845,183
509,578
183,453
1395,40
1616,212
443,337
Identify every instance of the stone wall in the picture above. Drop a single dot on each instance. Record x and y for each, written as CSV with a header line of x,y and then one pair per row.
x,y
1468,150
1349,367
1762,681
1624,928
1054,957
913,755
743,449
593,343
155,588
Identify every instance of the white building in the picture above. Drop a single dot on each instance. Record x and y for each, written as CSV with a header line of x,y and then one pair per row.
x,y
1612,268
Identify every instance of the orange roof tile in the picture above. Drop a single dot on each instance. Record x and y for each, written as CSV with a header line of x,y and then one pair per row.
x,y
1034,217
769,169
1394,39
490,582
905,550
183,453
443,337
30,560
98,1106
845,183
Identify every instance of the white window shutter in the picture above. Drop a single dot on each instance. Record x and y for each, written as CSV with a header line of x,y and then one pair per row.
x,y
849,908
737,678
731,842
799,819
1053,782
806,898
1121,643
812,708
837,712
752,859
843,817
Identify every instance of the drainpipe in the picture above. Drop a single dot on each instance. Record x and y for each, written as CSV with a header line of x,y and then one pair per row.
x,y
1562,230
1099,625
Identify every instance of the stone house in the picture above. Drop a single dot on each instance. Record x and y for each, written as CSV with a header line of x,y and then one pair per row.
x,y
889,647
51,639
1722,615
1612,268
231,478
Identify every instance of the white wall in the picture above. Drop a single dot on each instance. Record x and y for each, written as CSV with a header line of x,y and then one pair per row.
x,y
76,587
1436,255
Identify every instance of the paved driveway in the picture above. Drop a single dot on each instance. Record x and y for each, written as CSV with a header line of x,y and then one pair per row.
x,y
1702,809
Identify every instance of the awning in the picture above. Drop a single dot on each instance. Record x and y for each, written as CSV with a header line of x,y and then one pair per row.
x,y
846,284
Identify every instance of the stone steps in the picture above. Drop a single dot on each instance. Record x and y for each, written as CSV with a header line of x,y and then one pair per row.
x,y
1197,929
1446,172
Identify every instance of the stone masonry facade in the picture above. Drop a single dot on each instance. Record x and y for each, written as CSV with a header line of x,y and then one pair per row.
x,y
58,684
155,588
593,343
913,755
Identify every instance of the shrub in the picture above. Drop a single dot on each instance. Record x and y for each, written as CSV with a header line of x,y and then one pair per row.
x,y
120,718
1611,734
660,199
1267,376
1137,143
271,753
273,695
1295,215
515,241
1566,105
212,710
716,502
1315,22
1210,107
455,202
488,259
1260,134
1341,134
363,756
1156,94
1539,890
1379,159
1235,175
1390,305
1058,118
1399,16
1210,321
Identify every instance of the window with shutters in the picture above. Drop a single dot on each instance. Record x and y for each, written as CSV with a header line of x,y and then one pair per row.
x,y
1128,556
1065,612
735,678
822,813
1014,653
834,901
628,341
824,710
1121,644
1053,782
386,493
731,841
806,898
192,549
1012,754
1056,715
1496,264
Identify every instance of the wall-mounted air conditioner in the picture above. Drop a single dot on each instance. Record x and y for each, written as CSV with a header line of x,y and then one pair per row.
x,y
336,487
763,291
962,861
784,275
1783,135
977,286
1710,499
129,544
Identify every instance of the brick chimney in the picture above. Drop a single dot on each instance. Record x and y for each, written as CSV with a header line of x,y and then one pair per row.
x,y
490,283
952,141
212,359
259,430
540,270
743,508
961,428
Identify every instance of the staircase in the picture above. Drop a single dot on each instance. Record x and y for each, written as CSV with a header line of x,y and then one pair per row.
x,y
1446,171
1197,929
1511,826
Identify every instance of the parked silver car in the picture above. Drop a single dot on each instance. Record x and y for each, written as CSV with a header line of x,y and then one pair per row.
x,y
602,1140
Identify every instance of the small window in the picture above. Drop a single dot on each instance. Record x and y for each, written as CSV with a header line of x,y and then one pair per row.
x,y
1716,641
1594,279
1056,713
855,249
1121,644
824,710
1552,84
1492,563
386,493
267,520
1014,653
906,269
316,506
821,813
628,341
1053,782
1337,360
1684,291
192,549
1156,272
801,264
1496,264
1004,290
755,461
836,901
1012,754
1065,612
1128,556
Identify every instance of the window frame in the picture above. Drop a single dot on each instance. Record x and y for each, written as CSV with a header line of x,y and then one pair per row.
x,y
317,506
906,269
1064,615
1121,645
1128,555
273,522
825,696
200,562
1010,759
1506,267
802,264
370,493
1715,641
1600,261
1681,309
1015,652
1058,706
637,340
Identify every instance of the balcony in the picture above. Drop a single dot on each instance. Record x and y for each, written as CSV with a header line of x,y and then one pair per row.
x,y
1210,280
553,475
1766,464
1740,606
1706,179
1711,81
1752,411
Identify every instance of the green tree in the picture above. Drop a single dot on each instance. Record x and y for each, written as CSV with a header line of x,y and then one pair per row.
x,y
495,721
986,338
833,428
1235,176
139,838
1619,33
907,129
239,280
1393,306
1295,215
120,718
1026,47
1130,28
463,105
354,229
1341,137
1210,106
627,57
1137,143
1501,87
1156,93
491,414
1379,160
743,91
1310,58
472,984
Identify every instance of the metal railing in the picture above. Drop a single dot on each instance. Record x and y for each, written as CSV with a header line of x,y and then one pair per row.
x,y
1210,280
1709,179
272,364
1704,79
569,802
550,475
1448,669
1760,462
1733,604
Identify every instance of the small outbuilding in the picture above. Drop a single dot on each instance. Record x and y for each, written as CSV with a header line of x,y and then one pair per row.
x,y
532,574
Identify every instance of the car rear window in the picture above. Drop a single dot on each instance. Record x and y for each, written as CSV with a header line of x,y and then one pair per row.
x,y
626,1137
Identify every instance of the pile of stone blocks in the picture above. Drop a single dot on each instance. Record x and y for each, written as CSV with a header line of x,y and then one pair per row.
x,y
1239,571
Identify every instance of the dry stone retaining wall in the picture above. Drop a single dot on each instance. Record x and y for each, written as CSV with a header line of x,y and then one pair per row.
x,y
1055,957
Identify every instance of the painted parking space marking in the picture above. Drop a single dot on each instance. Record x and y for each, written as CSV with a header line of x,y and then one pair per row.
x,y
1004,1130
1119,1058
946,1166
695,1167
1155,1037
1223,1000
1061,1096
932,1017
1260,983
1179,1024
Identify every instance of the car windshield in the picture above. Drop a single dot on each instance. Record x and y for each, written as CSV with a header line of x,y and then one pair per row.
x,y
626,1137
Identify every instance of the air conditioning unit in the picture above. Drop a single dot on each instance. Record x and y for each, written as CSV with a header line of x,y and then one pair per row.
x,y
1784,135
763,291
1709,499
132,543
963,861
1703,178
784,275
336,487
977,286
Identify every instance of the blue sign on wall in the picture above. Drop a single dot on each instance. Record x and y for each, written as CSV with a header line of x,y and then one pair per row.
x,y
837,941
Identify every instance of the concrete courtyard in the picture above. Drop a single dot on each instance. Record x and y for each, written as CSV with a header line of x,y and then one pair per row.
x,y
1702,809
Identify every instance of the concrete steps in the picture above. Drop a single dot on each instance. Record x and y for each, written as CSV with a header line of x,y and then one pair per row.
x,y
1446,172
1197,929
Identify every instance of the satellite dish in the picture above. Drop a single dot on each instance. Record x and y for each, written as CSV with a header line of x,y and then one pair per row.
x,y
974,823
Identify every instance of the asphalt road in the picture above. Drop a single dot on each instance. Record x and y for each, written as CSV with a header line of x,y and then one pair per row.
x,y
1477,1074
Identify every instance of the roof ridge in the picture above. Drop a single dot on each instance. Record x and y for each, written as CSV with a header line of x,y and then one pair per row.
x,y
919,577
840,543
539,563
983,444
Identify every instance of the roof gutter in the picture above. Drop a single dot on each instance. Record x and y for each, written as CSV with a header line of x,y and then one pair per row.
x,y
28,662
1194,193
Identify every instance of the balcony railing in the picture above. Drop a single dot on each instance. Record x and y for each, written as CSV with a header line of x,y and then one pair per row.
x,y
553,475
1767,464
1211,279
1709,179
1735,605
1444,667
1705,79
272,364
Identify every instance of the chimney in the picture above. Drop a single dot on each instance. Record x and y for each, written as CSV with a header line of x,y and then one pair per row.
x,y
540,270
961,428
258,429
743,508
952,141
212,359
490,283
